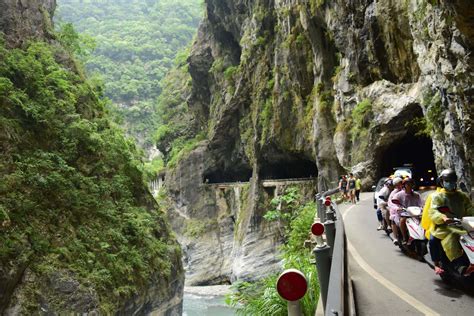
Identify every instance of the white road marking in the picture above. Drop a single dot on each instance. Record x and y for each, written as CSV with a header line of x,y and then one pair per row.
x,y
383,281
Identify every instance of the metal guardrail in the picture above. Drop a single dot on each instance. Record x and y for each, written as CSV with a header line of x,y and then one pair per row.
x,y
336,291
262,181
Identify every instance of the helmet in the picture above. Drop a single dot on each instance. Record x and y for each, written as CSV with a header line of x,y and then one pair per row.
x,y
397,180
448,175
448,179
408,181
388,181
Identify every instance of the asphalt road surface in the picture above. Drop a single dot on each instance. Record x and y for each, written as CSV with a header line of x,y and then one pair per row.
x,y
387,282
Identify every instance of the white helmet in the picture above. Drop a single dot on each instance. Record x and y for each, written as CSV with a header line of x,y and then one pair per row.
x,y
397,180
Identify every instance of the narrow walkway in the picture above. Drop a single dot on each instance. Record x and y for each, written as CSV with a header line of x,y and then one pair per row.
x,y
387,282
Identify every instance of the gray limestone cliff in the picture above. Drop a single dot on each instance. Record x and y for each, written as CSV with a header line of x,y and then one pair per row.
x,y
340,85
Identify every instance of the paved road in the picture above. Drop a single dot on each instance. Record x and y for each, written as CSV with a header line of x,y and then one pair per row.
x,y
387,282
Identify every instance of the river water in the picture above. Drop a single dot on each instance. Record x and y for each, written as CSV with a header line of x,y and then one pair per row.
x,y
206,301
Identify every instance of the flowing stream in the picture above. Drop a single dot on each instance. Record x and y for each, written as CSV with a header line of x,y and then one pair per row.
x,y
206,300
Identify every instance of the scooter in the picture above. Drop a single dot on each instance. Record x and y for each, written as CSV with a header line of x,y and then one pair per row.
x,y
417,243
460,272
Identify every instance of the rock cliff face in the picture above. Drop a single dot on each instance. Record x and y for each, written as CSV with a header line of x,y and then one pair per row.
x,y
221,226
357,85
21,20
57,292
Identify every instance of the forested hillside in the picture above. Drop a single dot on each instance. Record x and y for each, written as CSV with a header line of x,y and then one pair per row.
x,y
79,231
136,43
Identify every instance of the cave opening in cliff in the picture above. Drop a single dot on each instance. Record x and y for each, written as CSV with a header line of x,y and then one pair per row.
x,y
296,168
413,151
242,174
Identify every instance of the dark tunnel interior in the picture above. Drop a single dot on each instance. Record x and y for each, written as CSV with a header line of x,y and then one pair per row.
x,y
413,150
296,168
223,176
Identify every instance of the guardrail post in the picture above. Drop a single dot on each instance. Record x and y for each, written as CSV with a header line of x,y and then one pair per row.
x,y
330,229
320,207
323,265
330,213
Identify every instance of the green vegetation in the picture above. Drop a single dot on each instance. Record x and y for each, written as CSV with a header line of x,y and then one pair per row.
x,y
432,122
265,117
72,195
137,42
230,72
198,227
361,116
177,133
288,202
315,5
434,113
361,119
261,298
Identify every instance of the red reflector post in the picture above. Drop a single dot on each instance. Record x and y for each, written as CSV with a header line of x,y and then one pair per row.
x,y
317,229
292,285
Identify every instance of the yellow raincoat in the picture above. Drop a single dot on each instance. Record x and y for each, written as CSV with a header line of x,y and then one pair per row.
x,y
426,222
459,206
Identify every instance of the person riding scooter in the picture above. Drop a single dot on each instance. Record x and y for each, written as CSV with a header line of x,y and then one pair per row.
x,y
405,198
426,222
398,186
382,197
447,205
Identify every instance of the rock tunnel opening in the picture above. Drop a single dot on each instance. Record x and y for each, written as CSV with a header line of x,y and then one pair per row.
x,y
413,150
225,176
290,169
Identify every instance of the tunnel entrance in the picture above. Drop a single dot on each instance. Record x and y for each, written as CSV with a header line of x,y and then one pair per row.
x,y
412,150
295,168
224,176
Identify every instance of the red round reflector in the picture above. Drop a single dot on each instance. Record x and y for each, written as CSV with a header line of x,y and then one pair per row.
x,y
317,229
327,202
292,285
328,198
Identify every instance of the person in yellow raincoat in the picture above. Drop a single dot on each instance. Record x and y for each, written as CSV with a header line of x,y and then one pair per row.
x,y
447,204
426,222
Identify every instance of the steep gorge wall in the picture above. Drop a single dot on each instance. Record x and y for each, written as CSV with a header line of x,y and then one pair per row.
x,y
221,227
332,82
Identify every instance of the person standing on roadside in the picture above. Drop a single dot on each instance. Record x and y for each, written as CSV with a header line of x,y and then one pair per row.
x,y
358,187
343,187
351,187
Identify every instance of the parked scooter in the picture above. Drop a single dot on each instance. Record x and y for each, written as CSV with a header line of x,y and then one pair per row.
x,y
460,272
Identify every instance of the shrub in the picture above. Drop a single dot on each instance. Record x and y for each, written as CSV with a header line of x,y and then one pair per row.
x,y
261,297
